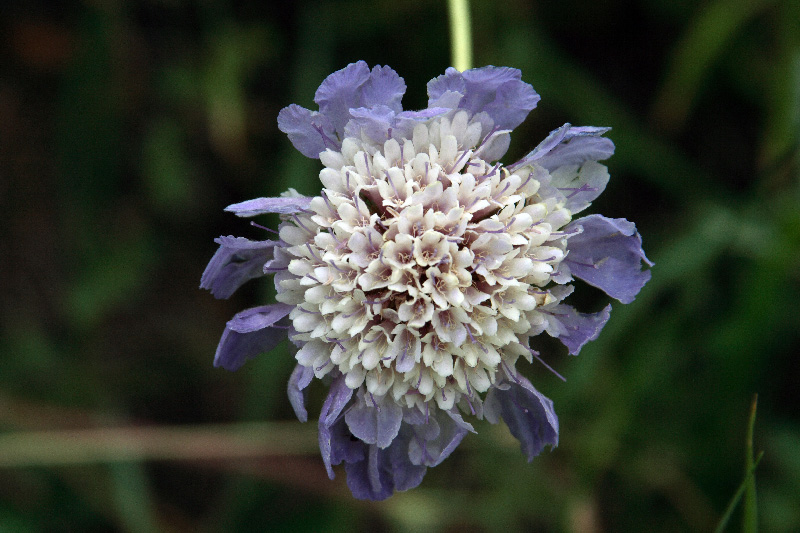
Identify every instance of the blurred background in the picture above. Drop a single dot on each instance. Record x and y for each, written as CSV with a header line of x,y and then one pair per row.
x,y
127,126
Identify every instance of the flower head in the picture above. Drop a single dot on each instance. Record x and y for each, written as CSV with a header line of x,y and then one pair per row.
x,y
414,281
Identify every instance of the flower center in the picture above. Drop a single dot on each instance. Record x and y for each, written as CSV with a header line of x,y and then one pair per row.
x,y
419,267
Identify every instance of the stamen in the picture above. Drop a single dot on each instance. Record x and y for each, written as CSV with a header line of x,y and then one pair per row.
x,y
337,342
313,253
472,409
576,190
331,263
369,171
535,354
297,221
487,137
330,143
374,403
509,372
259,226
587,265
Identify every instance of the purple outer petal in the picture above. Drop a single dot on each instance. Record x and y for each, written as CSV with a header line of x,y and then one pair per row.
x,y
284,205
249,333
497,91
575,329
580,186
237,261
340,92
299,380
381,472
375,424
436,439
404,123
384,88
569,145
375,122
528,414
310,132
343,446
608,254
338,396
451,81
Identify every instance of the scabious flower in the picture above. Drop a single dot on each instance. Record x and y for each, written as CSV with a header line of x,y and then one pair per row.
x,y
414,281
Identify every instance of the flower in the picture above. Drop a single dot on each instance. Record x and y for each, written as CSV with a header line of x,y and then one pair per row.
x,y
413,283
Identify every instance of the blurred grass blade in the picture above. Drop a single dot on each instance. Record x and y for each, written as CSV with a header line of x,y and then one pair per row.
x,y
701,46
140,443
750,517
747,488
782,123
133,497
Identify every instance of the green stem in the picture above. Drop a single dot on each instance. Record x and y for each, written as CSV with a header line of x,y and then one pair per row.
x,y
460,34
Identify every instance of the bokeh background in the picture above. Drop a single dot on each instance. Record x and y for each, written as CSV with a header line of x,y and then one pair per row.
x,y
127,126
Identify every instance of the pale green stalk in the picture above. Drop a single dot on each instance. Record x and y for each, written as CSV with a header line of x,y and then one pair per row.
x,y
460,34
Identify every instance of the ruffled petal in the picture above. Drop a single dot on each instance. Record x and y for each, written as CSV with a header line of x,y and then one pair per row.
x,y
403,123
284,205
375,423
528,414
381,472
237,261
383,88
299,380
435,439
374,122
575,329
608,255
249,333
513,98
338,396
341,92
569,145
370,478
497,91
345,448
580,185
309,131
452,82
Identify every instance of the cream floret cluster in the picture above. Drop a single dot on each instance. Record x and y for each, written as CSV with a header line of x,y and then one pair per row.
x,y
413,283
420,268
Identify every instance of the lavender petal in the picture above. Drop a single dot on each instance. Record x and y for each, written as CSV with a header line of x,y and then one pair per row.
x,y
569,145
575,329
608,255
497,91
528,414
299,380
383,471
452,81
338,396
383,88
309,131
237,261
435,440
580,185
249,333
375,122
342,91
284,205
375,423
